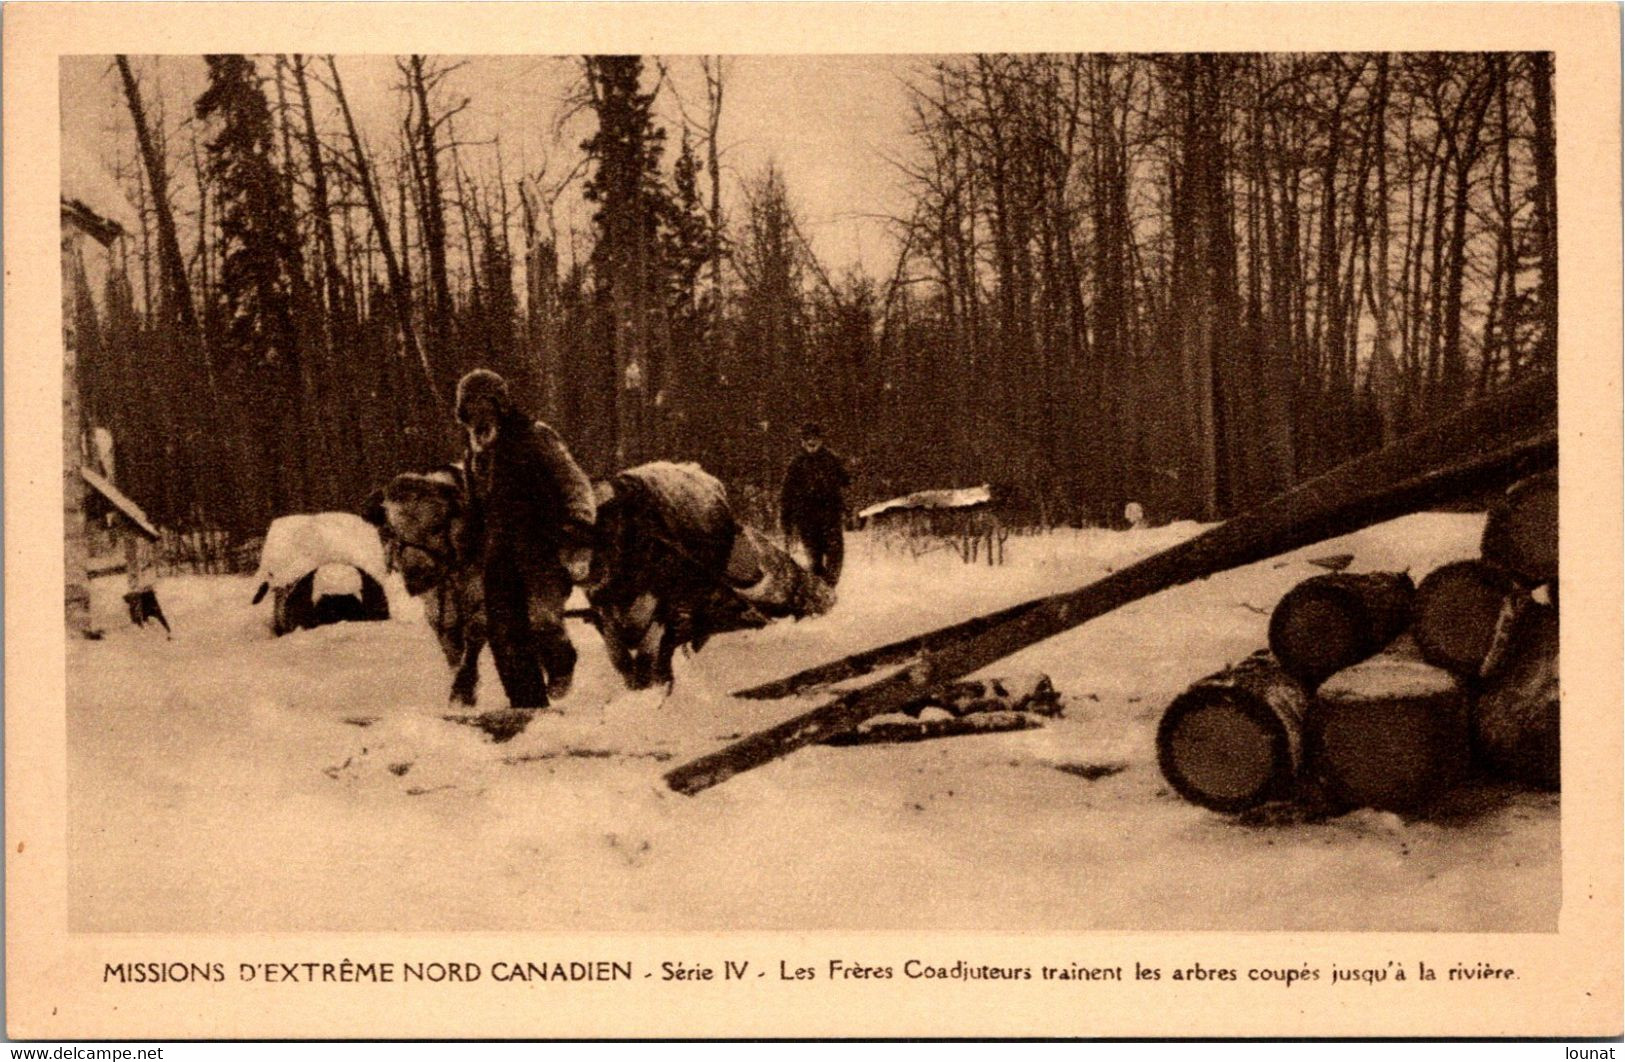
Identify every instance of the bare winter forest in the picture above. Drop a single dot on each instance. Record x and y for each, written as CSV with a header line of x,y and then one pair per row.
x,y
1184,280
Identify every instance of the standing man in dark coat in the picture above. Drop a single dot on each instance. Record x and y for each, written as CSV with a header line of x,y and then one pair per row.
x,y
811,506
534,513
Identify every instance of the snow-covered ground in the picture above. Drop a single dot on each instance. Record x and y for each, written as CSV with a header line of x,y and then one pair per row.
x,y
230,781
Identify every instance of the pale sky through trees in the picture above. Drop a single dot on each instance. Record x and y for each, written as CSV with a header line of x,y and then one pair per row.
x,y
829,122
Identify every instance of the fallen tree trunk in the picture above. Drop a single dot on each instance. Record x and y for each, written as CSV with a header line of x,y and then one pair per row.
x,y
1234,740
1492,442
862,663
1520,532
1330,622
1460,608
1389,733
1517,717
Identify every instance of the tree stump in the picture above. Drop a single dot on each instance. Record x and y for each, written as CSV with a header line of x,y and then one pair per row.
x,y
1389,733
1520,532
1459,609
1329,622
1233,740
1517,717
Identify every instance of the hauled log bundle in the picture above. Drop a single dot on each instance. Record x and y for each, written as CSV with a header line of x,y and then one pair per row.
x,y
1462,610
1520,533
1389,733
1329,622
763,573
1493,442
1517,717
1234,739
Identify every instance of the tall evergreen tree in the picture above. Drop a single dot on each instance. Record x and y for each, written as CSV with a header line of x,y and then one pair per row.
x,y
632,205
260,272
685,248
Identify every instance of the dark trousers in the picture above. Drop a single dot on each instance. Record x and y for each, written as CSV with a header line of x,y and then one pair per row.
x,y
826,550
524,607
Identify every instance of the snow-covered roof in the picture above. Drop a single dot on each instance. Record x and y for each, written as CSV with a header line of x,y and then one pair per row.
x,y
299,544
950,498
120,501
102,230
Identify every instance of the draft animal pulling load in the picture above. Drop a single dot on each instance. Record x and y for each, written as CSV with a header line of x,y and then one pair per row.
x,y
671,567
423,521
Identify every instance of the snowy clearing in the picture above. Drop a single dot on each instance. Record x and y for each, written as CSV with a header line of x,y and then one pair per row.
x,y
230,781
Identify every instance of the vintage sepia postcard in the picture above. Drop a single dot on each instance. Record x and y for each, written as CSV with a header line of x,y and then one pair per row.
x,y
812,520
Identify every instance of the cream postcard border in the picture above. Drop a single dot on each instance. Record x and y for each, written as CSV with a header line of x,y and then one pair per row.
x,y
1569,982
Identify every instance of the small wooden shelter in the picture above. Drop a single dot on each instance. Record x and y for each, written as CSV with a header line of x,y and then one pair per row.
x,y
78,222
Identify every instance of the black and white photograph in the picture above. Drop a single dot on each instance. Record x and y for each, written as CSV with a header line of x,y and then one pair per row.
x,y
1007,491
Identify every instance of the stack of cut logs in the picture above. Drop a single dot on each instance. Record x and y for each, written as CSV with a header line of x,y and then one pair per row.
x,y
1376,692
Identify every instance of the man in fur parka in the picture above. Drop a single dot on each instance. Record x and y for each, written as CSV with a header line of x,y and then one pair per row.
x,y
534,513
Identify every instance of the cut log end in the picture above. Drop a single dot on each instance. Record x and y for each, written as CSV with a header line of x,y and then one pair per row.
x,y
1458,610
1390,733
1315,635
1222,755
1520,532
1517,719
1230,742
1329,622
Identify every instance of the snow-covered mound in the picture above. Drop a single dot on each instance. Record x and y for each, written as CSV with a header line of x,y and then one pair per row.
x,y
299,544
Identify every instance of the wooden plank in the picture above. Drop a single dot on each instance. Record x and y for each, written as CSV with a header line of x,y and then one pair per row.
x,y
127,508
1490,443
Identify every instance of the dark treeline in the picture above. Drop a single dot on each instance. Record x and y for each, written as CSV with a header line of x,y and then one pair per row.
x,y
1185,280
